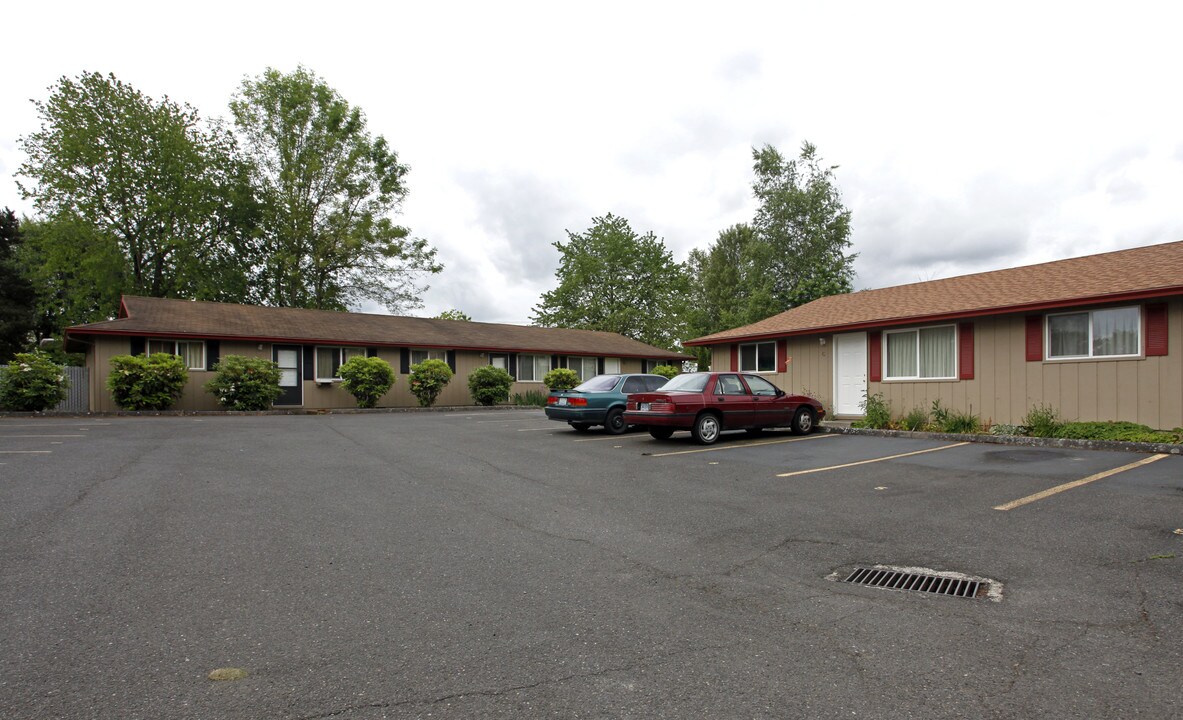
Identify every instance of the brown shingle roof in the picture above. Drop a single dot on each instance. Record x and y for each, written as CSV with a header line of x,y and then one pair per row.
x,y
188,318
1113,276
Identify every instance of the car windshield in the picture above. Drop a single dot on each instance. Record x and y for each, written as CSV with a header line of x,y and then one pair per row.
x,y
600,383
690,382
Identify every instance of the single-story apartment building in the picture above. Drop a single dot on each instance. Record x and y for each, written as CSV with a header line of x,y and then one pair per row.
x,y
310,345
1094,337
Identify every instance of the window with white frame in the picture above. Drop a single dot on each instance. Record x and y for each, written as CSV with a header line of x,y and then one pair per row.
x,y
191,351
418,356
585,367
922,354
758,357
1112,332
611,366
648,365
532,368
330,359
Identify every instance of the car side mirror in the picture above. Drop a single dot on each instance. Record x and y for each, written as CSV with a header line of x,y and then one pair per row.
x,y
780,393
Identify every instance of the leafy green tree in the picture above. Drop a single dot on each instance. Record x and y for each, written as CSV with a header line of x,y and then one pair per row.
x,y
612,279
16,292
77,273
148,176
428,380
721,282
32,382
489,385
454,315
245,383
803,231
328,189
367,379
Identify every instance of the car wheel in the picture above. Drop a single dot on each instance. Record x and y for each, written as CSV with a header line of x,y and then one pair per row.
x,y
706,428
580,427
804,421
755,432
661,433
614,423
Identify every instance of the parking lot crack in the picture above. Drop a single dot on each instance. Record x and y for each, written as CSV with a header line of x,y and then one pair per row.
x,y
771,550
638,663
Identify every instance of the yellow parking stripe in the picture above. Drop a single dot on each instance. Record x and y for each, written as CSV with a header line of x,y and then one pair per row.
x,y
873,460
632,436
1077,483
744,445
25,452
3,435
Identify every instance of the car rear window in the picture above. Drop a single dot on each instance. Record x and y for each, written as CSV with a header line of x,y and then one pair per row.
x,y
600,383
690,382
634,385
655,382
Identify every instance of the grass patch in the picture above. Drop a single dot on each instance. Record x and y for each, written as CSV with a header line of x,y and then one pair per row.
x,y
530,398
1121,431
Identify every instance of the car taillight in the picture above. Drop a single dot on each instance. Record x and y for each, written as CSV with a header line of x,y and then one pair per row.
x,y
552,400
661,407
577,402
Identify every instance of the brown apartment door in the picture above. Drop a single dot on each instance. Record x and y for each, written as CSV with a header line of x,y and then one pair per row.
x,y
287,357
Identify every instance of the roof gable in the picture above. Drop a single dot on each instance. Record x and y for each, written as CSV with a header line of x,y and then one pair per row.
x,y
1152,271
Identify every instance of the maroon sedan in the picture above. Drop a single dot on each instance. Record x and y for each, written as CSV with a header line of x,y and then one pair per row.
x,y
708,403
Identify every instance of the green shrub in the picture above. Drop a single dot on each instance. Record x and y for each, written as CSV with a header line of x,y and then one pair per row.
x,y
245,383
1124,431
666,371
428,379
367,379
530,398
489,385
147,383
1042,421
32,382
940,415
876,413
560,379
962,423
915,420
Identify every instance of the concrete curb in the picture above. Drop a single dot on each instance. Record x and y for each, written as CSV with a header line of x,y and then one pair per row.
x,y
1111,445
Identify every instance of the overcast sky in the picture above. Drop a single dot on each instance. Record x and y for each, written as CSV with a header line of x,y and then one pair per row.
x,y
968,136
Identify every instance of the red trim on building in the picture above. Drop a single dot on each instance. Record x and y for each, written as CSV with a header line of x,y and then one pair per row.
x,y
782,355
875,356
735,357
965,350
1034,338
1156,330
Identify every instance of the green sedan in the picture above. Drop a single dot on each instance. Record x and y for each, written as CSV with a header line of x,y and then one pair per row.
x,y
599,401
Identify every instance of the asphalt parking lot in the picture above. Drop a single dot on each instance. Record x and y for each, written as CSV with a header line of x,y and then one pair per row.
x,y
498,565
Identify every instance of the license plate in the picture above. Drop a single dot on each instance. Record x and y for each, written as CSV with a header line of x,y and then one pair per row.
x,y
562,401
644,407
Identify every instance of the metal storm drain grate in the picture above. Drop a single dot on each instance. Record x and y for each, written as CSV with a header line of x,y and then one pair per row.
x,y
919,580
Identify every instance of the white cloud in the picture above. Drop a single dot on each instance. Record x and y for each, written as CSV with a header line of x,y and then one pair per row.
x,y
968,137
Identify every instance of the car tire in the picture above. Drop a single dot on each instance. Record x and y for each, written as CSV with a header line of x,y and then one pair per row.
x,y
661,433
614,423
580,426
804,422
707,427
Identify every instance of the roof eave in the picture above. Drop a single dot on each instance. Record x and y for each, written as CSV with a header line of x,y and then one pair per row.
x,y
937,317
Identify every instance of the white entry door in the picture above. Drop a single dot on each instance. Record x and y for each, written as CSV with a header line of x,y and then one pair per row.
x,y
850,373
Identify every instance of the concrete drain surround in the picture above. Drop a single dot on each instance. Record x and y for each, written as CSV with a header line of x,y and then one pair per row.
x,y
922,580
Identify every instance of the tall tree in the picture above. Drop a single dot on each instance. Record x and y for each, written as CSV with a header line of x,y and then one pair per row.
x,y
78,273
328,189
16,292
721,283
150,176
611,278
803,231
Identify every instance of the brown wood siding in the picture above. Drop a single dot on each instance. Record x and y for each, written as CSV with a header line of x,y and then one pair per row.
x,y
1147,390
